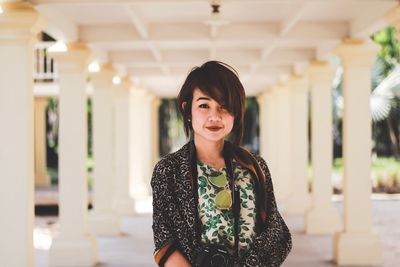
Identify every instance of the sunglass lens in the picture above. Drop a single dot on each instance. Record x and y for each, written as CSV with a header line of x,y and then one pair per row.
x,y
219,180
223,200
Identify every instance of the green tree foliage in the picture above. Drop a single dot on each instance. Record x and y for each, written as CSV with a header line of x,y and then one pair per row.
x,y
387,132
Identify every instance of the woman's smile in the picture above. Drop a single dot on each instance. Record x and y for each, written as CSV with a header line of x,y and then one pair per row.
x,y
214,128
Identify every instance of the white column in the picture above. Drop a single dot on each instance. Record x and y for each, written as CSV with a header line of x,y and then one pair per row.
x,y
140,143
266,103
123,203
19,25
323,217
155,155
74,246
357,244
103,220
41,176
299,200
267,118
283,142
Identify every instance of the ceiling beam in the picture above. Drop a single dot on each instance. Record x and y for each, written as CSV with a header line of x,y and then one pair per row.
x,y
138,22
124,2
293,19
58,26
179,35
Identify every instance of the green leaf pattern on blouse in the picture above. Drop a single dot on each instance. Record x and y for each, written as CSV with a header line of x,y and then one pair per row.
x,y
218,225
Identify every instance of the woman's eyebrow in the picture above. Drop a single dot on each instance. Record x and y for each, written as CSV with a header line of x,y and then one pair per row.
x,y
203,98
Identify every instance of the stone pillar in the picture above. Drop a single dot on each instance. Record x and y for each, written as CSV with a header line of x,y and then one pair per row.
x,y
19,25
41,176
357,244
299,200
283,142
123,203
266,103
103,220
140,144
74,246
323,217
155,155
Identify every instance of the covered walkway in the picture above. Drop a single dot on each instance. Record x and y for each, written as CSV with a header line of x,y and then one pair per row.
x,y
133,248
127,55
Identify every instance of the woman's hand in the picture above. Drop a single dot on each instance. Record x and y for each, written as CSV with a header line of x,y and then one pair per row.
x,y
176,259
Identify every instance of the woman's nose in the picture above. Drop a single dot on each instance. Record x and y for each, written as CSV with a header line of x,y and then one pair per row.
x,y
214,115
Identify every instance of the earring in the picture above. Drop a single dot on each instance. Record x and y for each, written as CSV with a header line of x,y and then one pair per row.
x,y
189,120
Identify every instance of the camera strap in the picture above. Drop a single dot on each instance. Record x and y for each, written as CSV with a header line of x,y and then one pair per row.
x,y
235,204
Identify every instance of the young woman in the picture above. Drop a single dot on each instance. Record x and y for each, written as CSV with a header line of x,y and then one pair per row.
x,y
213,201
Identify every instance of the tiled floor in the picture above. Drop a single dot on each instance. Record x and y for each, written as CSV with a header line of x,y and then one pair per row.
x,y
134,247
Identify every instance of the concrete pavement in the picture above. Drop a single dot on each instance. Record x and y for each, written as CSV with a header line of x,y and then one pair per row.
x,y
135,246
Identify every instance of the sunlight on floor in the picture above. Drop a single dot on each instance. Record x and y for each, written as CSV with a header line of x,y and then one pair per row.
x,y
144,205
42,238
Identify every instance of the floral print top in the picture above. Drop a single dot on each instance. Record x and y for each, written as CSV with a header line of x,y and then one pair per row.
x,y
218,225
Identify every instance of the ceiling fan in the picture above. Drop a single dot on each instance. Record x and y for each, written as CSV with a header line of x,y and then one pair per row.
x,y
215,18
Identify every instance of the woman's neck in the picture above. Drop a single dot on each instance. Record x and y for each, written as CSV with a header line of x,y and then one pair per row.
x,y
210,152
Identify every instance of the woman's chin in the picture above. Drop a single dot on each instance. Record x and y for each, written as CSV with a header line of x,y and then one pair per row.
x,y
214,137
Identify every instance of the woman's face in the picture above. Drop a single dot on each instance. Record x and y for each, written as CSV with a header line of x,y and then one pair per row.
x,y
210,121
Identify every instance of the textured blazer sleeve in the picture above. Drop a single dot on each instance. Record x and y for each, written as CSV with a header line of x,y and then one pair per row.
x,y
162,204
271,247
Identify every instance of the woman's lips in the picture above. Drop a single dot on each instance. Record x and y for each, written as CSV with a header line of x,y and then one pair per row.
x,y
214,128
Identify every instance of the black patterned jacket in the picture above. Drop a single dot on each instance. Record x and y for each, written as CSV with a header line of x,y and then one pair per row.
x,y
175,214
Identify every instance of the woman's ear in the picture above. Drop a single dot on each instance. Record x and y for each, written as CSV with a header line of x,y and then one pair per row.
x,y
184,105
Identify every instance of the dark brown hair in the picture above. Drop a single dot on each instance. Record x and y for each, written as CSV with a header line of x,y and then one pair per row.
x,y
220,82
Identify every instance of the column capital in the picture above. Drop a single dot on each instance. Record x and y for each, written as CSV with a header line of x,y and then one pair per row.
x,y
41,100
104,77
125,83
298,82
156,101
139,91
280,86
321,70
20,22
74,60
150,96
357,52
260,98
275,88
266,90
122,89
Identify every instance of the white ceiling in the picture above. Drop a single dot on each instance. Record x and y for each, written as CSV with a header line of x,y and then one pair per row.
x,y
157,42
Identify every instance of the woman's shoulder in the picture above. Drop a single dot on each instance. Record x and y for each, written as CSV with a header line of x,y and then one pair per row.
x,y
172,159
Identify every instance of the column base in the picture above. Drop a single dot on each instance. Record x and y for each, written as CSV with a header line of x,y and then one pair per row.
x,y
363,249
323,220
124,206
73,252
298,204
104,223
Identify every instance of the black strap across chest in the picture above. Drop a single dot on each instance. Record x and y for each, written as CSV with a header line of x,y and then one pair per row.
x,y
233,187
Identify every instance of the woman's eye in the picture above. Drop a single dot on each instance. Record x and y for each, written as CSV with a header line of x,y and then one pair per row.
x,y
203,106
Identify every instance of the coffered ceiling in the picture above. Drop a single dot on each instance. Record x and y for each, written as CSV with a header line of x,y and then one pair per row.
x,y
157,42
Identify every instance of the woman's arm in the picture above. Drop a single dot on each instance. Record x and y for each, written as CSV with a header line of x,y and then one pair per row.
x,y
177,260
271,247
162,204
